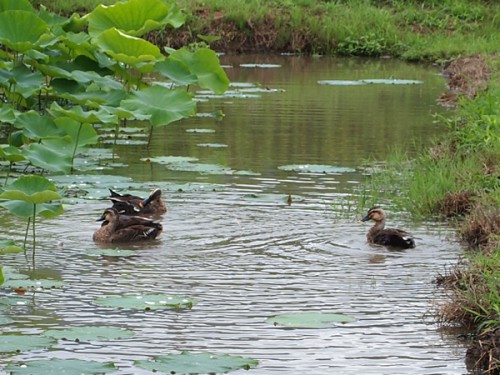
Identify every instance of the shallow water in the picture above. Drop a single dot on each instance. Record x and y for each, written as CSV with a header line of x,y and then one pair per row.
x,y
233,243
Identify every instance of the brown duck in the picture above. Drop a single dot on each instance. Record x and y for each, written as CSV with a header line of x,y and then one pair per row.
x,y
133,205
390,237
124,228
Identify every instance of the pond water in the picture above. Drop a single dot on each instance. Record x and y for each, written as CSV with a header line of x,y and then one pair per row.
x,y
232,241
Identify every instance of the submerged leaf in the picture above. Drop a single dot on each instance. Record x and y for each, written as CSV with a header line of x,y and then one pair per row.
x,y
197,363
310,320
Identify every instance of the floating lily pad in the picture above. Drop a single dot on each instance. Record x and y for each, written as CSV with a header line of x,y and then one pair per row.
x,y
33,283
310,320
20,343
246,173
197,363
200,131
201,168
392,81
242,84
170,159
146,302
335,82
315,168
5,320
212,145
112,252
260,65
88,333
60,366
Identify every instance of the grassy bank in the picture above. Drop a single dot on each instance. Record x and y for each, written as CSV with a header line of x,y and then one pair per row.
x,y
413,30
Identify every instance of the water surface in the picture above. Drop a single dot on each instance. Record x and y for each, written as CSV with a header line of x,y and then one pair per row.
x,y
233,243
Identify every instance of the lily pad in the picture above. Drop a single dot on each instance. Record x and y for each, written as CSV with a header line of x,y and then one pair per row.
x,y
197,363
310,320
33,283
20,343
200,131
5,320
170,159
260,65
392,81
335,82
88,333
9,247
146,302
315,168
212,145
60,366
112,252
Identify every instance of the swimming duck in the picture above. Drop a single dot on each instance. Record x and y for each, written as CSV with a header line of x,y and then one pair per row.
x,y
133,205
124,228
391,237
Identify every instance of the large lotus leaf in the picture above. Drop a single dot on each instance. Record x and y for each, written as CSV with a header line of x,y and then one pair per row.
x,y
177,71
73,91
52,154
22,80
20,343
81,133
162,104
204,64
14,30
9,247
32,189
88,333
16,5
35,126
7,115
127,49
310,320
11,154
77,113
134,17
146,302
60,366
25,209
197,363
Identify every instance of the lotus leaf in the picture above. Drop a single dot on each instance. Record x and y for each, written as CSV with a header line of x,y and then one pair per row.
x,y
200,131
77,113
7,115
212,145
260,65
53,154
310,320
197,363
134,17
23,209
31,189
12,343
127,49
163,105
335,82
23,80
2,279
90,333
60,366
81,133
11,154
392,81
146,302
34,283
3,319
14,33
170,159
16,5
9,247
315,168
35,126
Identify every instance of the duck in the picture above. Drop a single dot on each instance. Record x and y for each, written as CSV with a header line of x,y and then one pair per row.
x,y
390,237
133,205
123,228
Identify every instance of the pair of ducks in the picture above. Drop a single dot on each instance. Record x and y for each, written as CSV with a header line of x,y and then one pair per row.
x,y
125,221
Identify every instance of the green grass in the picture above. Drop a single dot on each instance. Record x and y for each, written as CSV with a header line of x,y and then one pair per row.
x,y
413,30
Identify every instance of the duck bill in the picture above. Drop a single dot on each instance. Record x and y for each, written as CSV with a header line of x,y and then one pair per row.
x,y
365,219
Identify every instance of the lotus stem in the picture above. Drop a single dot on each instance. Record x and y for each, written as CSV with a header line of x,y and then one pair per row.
x,y
34,235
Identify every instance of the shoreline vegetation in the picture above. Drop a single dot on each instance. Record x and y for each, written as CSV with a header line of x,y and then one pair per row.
x,y
462,36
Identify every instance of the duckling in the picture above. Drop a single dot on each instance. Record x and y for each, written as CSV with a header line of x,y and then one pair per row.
x,y
133,205
391,237
123,228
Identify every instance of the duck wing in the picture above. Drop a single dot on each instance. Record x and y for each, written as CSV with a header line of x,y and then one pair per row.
x,y
136,233
394,238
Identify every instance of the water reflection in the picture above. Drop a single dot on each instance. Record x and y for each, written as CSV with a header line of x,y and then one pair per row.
x,y
234,243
